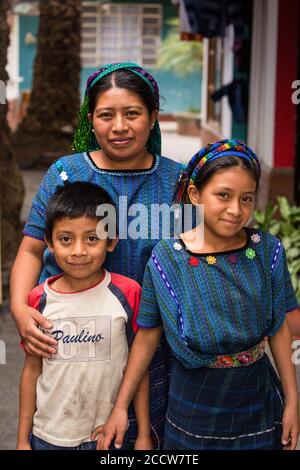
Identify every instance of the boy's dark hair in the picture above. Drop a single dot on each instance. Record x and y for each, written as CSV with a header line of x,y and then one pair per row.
x,y
74,200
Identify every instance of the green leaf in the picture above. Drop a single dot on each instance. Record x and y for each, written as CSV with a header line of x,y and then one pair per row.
x,y
284,207
259,218
294,266
274,228
287,229
293,253
283,220
286,242
295,281
182,57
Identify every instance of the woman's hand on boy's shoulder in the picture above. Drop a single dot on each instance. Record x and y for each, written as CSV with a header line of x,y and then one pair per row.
x,y
35,342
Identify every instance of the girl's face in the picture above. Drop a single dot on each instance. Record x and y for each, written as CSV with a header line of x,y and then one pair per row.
x,y
122,124
228,200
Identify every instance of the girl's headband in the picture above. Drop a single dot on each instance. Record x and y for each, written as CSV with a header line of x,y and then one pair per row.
x,y
84,138
223,148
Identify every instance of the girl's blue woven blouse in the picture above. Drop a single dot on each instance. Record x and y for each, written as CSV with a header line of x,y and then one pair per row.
x,y
216,303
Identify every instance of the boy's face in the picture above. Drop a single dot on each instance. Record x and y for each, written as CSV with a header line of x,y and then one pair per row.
x,y
77,249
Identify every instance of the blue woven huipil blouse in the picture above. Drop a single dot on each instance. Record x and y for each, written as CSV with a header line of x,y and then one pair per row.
x,y
216,303
152,186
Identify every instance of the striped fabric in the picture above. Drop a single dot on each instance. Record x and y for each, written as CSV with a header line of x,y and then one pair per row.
x,y
130,256
212,304
218,409
216,304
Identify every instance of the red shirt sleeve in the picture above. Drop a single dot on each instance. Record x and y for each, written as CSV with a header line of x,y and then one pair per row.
x,y
132,291
34,296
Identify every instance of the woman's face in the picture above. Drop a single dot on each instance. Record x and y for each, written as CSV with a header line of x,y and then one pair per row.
x,y
122,124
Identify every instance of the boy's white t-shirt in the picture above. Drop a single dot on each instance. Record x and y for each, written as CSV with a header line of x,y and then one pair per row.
x,y
78,386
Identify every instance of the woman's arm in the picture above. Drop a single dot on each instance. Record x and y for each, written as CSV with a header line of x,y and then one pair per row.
x,y
31,371
142,414
280,345
142,351
24,277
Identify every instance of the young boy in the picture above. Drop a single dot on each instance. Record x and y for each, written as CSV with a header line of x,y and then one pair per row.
x,y
65,398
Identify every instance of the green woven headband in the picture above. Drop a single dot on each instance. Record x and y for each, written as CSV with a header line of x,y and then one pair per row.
x,y
110,68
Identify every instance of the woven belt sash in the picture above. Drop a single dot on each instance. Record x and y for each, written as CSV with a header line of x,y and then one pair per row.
x,y
241,359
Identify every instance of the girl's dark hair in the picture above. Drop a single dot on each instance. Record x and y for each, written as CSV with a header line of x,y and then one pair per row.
x,y
123,79
217,156
210,168
72,200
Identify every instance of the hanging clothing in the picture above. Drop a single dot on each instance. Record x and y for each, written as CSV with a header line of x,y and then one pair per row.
x,y
237,93
209,18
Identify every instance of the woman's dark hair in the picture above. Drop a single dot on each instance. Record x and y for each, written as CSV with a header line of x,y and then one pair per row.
x,y
210,168
123,79
73,200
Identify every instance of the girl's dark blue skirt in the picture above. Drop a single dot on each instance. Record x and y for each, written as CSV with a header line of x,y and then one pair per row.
x,y
224,409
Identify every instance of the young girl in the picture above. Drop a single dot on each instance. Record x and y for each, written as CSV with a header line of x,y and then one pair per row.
x,y
216,302
118,145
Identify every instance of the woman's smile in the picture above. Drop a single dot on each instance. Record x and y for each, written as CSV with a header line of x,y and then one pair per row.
x,y
121,142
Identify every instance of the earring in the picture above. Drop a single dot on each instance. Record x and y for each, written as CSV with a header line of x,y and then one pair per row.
x,y
152,126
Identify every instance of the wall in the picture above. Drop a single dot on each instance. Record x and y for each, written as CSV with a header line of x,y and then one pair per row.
x,y
287,55
178,93
28,24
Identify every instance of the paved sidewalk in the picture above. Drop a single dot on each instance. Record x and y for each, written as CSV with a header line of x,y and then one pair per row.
x,y
178,147
9,380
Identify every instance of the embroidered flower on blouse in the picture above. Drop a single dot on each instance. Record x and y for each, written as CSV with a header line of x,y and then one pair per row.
x,y
193,261
250,253
177,246
255,238
233,259
63,176
211,259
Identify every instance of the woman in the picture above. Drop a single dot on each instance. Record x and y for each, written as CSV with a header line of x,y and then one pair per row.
x,y
118,145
